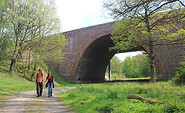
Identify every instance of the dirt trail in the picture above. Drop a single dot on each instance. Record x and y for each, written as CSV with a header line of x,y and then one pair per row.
x,y
27,102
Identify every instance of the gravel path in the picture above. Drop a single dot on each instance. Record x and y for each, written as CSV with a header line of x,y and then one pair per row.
x,y
27,102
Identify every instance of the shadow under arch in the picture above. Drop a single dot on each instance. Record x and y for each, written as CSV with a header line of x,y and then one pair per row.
x,y
93,63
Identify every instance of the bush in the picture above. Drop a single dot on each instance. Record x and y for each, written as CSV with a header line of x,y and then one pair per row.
x,y
105,109
180,75
169,108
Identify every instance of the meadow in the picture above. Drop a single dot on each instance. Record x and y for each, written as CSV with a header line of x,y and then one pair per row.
x,y
112,97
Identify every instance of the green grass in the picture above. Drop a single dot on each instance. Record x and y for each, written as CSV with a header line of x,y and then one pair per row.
x,y
112,97
11,84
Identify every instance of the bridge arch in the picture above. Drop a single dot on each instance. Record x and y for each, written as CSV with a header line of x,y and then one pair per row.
x,y
93,62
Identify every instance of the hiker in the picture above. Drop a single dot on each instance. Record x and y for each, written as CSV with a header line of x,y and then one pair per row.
x,y
50,83
39,82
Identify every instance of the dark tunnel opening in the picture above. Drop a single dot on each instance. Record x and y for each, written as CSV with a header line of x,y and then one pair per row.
x,y
94,61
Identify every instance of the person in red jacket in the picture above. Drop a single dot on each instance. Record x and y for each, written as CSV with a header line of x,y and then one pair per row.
x,y
50,83
39,82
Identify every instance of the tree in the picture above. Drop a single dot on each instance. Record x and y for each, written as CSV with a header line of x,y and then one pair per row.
x,y
29,20
131,67
3,18
143,63
115,64
139,21
49,48
5,42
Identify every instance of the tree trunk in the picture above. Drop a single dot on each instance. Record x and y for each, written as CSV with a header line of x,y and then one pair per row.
x,y
29,60
13,61
152,78
147,21
145,100
109,68
26,63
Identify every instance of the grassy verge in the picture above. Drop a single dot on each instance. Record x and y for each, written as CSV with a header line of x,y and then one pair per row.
x,y
11,84
112,97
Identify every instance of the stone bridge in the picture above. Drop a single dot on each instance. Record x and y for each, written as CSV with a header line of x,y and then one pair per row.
x,y
88,55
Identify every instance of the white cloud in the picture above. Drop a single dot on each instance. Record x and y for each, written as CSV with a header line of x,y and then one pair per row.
x,y
76,14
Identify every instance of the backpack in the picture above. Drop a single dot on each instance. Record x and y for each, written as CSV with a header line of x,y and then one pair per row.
x,y
37,75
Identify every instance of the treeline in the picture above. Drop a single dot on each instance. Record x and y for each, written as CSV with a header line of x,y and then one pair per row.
x,y
138,66
26,35
131,67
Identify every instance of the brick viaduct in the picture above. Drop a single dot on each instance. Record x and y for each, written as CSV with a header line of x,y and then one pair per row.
x,y
88,55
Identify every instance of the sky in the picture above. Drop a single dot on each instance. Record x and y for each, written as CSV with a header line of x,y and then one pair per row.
x,y
75,14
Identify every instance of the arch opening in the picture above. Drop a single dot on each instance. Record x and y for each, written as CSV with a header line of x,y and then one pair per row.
x,y
128,65
93,63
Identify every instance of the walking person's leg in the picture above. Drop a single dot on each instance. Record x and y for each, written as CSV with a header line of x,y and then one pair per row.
x,y
41,86
49,89
37,89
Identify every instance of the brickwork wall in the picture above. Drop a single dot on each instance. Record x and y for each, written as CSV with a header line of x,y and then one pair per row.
x,y
80,40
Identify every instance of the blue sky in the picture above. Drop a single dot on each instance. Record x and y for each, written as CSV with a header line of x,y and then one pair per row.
x,y
75,14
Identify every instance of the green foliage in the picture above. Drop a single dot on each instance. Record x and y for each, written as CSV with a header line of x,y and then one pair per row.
x,y
124,35
169,108
131,67
6,46
50,47
137,66
180,75
145,22
28,23
105,109
109,97
115,64
25,73
141,24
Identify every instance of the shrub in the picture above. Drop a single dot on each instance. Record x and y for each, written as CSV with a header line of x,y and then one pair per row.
x,y
105,109
169,108
180,75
